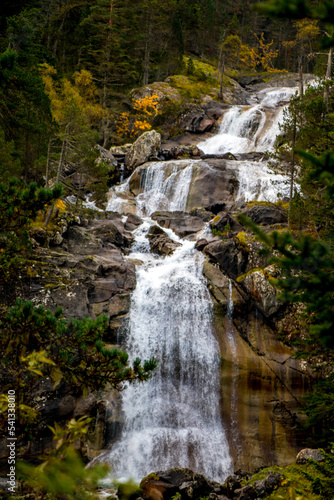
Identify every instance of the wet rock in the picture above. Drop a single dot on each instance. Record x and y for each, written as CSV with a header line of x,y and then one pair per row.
x,y
224,156
259,287
182,223
309,453
179,151
213,181
200,244
266,214
214,109
160,243
232,483
247,492
255,156
134,219
85,406
216,207
226,222
106,156
146,146
232,259
197,121
184,482
202,213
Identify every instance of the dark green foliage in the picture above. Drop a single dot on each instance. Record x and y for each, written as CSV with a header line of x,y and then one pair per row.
x,y
324,486
9,163
25,114
295,9
318,406
299,9
63,474
308,125
75,346
19,205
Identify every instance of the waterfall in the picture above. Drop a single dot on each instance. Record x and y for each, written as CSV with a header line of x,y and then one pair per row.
x,y
245,129
258,182
163,190
173,420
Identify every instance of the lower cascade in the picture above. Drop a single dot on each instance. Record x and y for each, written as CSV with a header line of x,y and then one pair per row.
x,y
174,420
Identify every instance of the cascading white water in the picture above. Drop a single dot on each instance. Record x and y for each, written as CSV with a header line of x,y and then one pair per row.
x,y
238,131
165,187
245,129
174,420
163,190
258,182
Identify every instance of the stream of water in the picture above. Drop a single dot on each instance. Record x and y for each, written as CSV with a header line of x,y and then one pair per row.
x,y
174,420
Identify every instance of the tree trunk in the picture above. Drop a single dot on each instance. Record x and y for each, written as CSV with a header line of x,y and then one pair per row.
x,y
328,75
147,50
47,165
61,159
300,71
221,78
292,169
220,61
60,168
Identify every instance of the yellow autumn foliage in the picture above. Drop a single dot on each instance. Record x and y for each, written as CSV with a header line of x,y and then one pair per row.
x,y
71,102
145,108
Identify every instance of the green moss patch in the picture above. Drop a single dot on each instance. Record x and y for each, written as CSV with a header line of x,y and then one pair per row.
x,y
311,481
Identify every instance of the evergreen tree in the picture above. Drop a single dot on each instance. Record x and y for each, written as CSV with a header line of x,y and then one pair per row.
x,y
19,205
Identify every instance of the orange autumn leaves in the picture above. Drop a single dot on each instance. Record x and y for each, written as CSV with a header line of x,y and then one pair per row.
x,y
145,109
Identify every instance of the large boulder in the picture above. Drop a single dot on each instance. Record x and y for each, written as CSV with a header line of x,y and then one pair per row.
x,y
112,231
182,483
160,243
267,214
308,453
147,145
213,181
226,222
258,285
196,120
229,255
265,487
182,223
106,156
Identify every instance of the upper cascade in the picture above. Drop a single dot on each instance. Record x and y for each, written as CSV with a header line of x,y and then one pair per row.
x,y
246,129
